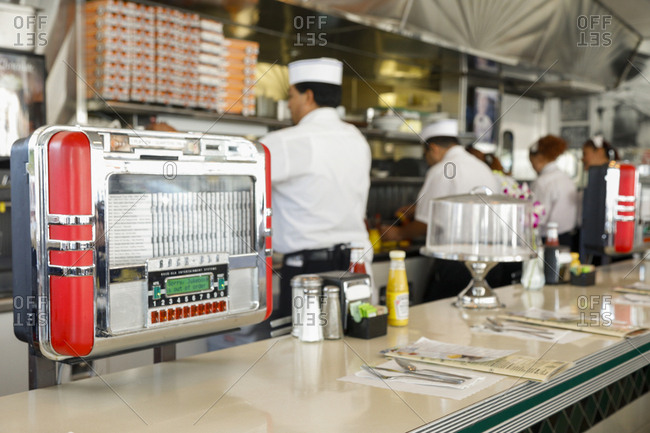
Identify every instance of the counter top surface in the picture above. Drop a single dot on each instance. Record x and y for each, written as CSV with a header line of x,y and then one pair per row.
x,y
283,385
6,302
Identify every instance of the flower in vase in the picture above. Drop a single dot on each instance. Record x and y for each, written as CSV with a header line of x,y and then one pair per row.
x,y
521,191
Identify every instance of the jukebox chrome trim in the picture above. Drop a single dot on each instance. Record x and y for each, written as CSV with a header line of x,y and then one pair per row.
x,y
70,245
70,220
70,271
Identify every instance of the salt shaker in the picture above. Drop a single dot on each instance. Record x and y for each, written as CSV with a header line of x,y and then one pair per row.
x,y
298,285
332,309
311,329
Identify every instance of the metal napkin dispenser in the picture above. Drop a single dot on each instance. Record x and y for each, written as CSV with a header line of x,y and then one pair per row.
x,y
129,239
352,287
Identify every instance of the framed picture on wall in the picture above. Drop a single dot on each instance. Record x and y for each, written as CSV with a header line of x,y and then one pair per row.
x,y
22,96
483,122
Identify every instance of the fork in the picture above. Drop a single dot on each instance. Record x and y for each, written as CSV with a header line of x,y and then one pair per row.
x,y
375,373
498,327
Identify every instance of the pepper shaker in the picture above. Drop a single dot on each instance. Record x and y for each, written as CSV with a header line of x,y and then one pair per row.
x,y
332,308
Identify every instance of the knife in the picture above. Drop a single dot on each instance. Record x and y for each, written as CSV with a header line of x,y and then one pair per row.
x,y
444,379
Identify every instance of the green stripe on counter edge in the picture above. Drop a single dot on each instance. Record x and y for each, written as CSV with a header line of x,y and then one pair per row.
x,y
524,405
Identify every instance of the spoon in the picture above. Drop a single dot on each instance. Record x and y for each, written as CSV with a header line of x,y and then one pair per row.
x,y
411,367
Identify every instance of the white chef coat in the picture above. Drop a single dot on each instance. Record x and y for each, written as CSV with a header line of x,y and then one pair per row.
x,y
558,193
457,173
320,175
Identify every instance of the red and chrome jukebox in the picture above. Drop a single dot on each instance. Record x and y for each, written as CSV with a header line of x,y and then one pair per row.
x,y
616,210
129,239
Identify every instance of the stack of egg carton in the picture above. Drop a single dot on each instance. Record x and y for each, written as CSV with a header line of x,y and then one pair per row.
x,y
143,66
240,65
156,54
211,71
177,50
226,71
109,49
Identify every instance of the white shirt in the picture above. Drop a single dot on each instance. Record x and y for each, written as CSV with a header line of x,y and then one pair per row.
x,y
556,191
320,176
457,173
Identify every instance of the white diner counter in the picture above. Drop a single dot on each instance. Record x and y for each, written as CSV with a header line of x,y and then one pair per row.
x,y
283,385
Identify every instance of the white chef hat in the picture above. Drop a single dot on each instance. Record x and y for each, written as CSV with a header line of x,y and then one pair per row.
x,y
322,70
441,128
598,140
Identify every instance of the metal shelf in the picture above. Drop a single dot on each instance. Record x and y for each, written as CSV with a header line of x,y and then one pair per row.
x,y
406,137
121,107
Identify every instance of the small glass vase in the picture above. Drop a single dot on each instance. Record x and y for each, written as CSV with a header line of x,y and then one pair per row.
x,y
532,275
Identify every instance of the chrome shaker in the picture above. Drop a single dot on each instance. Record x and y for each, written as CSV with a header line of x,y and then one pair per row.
x,y
332,329
298,284
312,319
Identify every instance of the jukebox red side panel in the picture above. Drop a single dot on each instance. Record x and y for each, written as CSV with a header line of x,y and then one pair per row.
x,y
72,324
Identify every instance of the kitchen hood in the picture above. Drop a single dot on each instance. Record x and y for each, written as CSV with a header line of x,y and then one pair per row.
x,y
585,45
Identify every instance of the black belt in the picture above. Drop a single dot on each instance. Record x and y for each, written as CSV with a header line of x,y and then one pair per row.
x,y
318,255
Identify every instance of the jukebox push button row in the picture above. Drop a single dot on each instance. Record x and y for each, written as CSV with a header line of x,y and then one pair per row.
x,y
164,315
182,287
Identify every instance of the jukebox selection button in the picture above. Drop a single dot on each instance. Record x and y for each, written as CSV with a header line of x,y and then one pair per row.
x,y
179,313
186,311
215,307
154,317
171,314
163,315
201,309
195,310
208,308
222,305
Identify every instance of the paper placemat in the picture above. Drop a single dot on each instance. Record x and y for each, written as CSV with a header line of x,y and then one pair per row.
x,y
638,288
557,336
581,323
482,359
478,382
632,299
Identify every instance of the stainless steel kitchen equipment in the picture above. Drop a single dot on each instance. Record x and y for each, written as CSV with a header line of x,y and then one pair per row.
x,y
482,230
352,287
129,239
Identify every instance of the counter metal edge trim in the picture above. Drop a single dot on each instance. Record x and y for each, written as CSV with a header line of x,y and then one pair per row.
x,y
527,391
566,399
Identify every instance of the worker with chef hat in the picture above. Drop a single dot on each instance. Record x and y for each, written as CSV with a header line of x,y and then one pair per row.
x,y
320,177
452,171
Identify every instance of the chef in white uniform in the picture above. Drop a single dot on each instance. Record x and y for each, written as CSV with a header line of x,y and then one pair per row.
x,y
554,188
320,175
452,171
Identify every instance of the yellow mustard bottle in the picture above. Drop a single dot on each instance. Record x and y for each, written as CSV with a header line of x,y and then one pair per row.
x,y
397,290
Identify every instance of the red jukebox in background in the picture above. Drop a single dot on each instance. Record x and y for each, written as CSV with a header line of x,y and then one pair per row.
x,y
616,210
125,240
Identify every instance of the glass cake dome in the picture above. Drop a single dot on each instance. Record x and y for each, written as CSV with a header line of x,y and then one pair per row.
x,y
481,229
